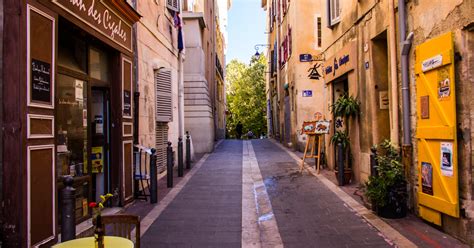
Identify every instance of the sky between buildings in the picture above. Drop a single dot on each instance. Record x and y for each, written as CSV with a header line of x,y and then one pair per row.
x,y
246,28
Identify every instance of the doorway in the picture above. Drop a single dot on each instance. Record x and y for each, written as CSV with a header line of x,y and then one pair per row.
x,y
381,70
100,143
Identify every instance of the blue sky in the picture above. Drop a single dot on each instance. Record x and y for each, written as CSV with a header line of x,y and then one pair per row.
x,y
246,28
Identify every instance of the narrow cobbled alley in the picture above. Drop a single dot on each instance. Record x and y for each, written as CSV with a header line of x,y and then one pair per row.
x,y
251,194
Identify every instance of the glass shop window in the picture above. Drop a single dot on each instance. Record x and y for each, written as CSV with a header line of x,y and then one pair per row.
x,y
98,64
71,118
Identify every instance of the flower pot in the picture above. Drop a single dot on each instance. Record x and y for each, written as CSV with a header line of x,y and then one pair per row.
x,y
347,175
397,203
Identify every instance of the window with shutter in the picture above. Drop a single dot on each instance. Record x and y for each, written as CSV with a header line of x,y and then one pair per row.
x,y
173,5
334,12
161,145
164,104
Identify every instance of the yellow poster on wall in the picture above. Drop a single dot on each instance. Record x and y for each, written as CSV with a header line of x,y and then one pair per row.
x,y
436,129
97,159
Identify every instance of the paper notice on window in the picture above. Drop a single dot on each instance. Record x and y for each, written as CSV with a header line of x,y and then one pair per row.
x,y
447,159
79,85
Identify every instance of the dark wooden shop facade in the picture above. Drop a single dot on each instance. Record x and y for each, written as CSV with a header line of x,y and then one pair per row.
x,y
67,110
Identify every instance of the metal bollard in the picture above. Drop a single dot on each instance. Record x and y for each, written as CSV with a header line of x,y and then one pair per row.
x,y
340,164
68,208
373,162
169,165
188,151
180,157
153,177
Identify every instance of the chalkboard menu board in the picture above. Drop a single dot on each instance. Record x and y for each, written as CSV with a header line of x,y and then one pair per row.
x,y
40,81
127,103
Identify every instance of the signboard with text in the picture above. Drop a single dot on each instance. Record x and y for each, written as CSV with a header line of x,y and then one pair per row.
x,y
99,16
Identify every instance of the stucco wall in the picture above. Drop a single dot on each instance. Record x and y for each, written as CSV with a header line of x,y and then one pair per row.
x,y
156,49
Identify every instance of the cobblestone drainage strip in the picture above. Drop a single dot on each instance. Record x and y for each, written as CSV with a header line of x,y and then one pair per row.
x,y
259,227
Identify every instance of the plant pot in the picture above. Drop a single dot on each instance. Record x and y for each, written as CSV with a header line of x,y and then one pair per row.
x,y
347,175
397,204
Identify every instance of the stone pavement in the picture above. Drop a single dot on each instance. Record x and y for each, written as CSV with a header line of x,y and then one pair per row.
x,y
217,207
207,212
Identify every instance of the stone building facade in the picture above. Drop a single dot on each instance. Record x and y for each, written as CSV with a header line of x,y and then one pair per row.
x,y
409,63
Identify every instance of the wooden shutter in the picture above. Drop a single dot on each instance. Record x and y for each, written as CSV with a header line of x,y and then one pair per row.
x,y
164,105
436,131
161,144
173,5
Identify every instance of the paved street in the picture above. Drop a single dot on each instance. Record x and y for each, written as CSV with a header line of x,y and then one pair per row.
x,y
224,204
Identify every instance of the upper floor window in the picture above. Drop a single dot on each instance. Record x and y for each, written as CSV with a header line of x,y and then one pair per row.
x,y
334,11
317,31
173,5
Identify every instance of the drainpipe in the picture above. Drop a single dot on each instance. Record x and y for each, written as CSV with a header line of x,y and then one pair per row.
x,y
393,75
277,22
181,86
405,45
407,151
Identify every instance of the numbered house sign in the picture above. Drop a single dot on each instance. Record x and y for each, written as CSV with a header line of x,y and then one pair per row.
x,y
436,129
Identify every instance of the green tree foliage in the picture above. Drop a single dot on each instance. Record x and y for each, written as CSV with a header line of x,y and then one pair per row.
x,y
245,92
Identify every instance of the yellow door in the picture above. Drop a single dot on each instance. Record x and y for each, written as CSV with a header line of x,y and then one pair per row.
x,y
436,129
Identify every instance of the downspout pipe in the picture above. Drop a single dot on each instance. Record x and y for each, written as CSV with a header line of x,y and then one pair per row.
x,y
405,44
181,86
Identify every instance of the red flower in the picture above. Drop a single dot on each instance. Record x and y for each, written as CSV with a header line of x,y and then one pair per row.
x,y
92,204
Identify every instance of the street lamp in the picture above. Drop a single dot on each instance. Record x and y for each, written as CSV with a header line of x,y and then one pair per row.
x,y
257,54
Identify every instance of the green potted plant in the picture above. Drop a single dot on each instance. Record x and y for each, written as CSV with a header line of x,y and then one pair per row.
x,y
342,137
387,189
345,107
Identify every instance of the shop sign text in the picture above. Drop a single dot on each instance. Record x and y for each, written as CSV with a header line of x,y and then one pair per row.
x,y
100,17
337,63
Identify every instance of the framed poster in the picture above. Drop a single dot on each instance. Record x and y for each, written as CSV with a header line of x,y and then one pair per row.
x,y
447,159
309,127
322,127
427,178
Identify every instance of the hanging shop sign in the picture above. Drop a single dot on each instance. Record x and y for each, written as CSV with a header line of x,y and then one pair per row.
x,y
99,16
313,72
342,62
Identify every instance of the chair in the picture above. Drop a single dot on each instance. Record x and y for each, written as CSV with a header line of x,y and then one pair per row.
x,y
121,225
141,178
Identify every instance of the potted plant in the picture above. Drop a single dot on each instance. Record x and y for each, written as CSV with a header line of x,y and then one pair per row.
x,y
387,189
345,107
341,137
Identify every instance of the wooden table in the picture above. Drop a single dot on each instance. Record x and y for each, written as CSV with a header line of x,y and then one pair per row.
x,y
109,241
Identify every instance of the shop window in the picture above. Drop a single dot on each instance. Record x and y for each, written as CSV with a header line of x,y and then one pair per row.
x,y
164,104
71,138
172,5
334,12
72,52
98,64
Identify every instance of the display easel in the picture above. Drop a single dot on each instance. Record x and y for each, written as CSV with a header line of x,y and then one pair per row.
x,y
311,143
315,130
